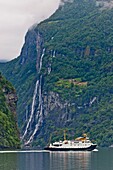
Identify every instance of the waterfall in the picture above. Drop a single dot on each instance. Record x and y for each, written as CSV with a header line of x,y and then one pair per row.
x,y
54,54
39,116
49,68
32,108
41,60
92,101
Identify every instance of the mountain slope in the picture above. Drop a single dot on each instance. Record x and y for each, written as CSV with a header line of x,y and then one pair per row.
x,y
9,135
64,75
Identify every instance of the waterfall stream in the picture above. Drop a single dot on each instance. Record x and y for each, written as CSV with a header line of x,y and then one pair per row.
x,y
54,54
32,109
39,115
41,60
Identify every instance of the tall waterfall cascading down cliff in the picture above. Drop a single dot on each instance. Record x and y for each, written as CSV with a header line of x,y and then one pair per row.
x,y
32,110
39,115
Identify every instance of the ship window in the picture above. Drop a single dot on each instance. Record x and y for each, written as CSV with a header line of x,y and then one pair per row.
x,y
57,144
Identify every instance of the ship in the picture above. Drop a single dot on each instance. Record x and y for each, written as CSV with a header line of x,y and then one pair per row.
x,y
79,144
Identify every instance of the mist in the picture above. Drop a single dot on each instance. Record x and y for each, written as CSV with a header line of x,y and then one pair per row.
x,y
16,17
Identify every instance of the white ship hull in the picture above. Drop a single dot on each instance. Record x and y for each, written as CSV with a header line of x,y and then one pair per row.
x,y
79,144
90,148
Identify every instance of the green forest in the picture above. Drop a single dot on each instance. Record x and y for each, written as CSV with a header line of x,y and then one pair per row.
x,y
9,134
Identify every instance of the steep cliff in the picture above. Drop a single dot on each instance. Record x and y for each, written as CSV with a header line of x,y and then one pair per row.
x,y
9,134
64,75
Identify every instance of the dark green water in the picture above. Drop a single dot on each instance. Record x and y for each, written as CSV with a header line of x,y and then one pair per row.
x,y
40,160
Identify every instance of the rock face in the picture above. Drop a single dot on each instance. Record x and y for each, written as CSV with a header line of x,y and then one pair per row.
x,y
63,76
11,100
9,134
105,4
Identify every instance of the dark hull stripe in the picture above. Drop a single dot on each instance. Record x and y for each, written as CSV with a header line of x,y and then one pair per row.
x,y
92,147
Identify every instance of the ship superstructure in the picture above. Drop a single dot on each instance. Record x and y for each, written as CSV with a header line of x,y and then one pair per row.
x,y
79,144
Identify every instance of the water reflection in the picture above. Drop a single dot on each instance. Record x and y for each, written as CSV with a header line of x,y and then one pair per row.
x,y
24,161
70,160
103,160
8,161
40,160
34,161
45,161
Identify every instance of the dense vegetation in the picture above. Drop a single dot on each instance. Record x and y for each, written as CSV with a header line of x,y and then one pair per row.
x,y
9,134
81,36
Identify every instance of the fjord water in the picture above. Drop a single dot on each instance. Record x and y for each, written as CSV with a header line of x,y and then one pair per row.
x,y
41,160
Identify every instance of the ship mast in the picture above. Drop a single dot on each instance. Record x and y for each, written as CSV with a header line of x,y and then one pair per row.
x,y
50,138
64,135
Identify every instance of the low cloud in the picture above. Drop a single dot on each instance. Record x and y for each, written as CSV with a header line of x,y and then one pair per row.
x,y
15,19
